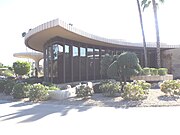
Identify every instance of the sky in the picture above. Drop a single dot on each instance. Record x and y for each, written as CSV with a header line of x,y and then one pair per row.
x,y
115,19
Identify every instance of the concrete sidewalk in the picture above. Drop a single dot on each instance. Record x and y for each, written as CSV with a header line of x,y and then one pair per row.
x,y
27,118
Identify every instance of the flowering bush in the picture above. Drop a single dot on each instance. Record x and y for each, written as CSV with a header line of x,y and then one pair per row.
x,y
170,87
2,85
9,84
84,91
110,88
21,90
136,90
38,92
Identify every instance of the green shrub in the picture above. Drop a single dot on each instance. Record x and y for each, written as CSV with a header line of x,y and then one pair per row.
x,y
125,66
53,87
7,73
170,87
106,61
21,67
146,71
143,84
84,91
9,84
137,90
38,92
2,85
154,71
110,88
21,90
162,71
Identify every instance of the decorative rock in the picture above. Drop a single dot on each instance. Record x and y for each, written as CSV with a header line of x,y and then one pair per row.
x,y
69,92
68,86
90,84
62,94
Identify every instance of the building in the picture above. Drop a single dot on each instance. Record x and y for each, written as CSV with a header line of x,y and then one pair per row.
x,y
74,55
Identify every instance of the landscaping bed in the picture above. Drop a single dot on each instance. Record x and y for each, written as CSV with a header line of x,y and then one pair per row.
x,y
156,98
106,94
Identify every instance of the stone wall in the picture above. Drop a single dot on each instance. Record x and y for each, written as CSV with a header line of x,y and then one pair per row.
x,y
171,60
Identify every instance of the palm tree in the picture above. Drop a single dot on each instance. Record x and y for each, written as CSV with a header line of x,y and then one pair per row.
x,y
23,34
143,35
145,4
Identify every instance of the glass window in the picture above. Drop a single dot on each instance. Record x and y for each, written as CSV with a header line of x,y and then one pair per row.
x,y
103,52
54,62
55,51
67,49
49,63
46,64
75,64
82,52
75,51
83,63
67,64
97,64
90,63
60,62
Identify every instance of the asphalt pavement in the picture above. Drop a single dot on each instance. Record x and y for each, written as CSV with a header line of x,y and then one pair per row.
x,y
25,118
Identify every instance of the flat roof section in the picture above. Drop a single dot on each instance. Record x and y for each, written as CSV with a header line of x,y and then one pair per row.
x,y
37,37
36,56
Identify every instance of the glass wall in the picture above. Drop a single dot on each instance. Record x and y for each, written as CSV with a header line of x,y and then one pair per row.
x,y
75,63
67,64
55,51
60,64
83,63
97,64
50,64
103,52
46,64
90,61
68,61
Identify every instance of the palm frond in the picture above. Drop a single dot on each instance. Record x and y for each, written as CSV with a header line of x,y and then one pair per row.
x,y
146,5
143,2
162,1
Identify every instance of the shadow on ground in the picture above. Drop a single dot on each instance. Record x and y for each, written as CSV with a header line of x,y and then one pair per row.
x,y
168,98
39,110
101,100
36,111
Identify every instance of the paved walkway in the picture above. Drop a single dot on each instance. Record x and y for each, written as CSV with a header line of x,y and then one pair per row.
x,y
28,119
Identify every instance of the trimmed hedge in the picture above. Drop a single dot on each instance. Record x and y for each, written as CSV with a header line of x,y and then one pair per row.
x,y
162,71
154,71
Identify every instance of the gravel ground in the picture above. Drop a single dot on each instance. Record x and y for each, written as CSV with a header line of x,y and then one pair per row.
x,y
155,98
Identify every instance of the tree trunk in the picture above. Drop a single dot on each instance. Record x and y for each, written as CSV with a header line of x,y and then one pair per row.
x,y
143,35
157,34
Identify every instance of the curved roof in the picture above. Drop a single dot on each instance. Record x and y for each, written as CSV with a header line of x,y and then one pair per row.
x,y
36,56
37,37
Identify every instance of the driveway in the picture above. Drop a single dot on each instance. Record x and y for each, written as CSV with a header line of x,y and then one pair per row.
x,y
26,118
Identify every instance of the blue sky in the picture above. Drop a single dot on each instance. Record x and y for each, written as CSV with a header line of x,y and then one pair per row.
x,y
117,19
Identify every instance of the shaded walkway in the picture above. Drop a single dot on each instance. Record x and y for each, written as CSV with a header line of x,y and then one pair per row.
x,y
26,118
37,111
